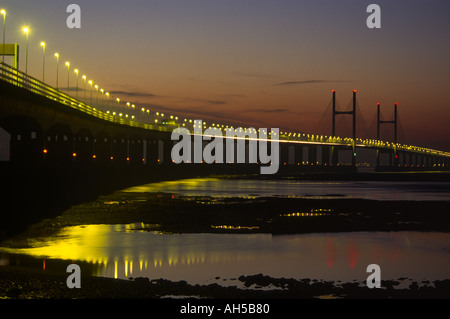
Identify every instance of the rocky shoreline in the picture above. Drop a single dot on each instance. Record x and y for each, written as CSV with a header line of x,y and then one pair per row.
x,y
25,283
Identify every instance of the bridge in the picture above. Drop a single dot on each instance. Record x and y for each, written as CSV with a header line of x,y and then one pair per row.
x,y
47,125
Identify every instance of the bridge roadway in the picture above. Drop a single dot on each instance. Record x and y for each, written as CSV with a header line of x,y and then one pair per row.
x,y
49,126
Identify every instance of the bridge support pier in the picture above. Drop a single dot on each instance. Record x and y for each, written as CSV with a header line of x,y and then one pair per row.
x,y
284,153
325,155
395,160
136,151
421,160
299,154
335,155
291,160
312,155
26,145
102,148
166,151
59,145
151,152
83,147
119,150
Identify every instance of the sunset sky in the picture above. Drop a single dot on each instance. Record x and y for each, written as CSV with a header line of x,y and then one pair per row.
x,y
263,63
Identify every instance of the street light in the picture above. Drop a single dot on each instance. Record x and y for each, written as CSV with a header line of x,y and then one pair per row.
x,y
26,30
102,102
84,78
107,99
90,83
57,64
76,72
68,70
3,12
96,89
43,61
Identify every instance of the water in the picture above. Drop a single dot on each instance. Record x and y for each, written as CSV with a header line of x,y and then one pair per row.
x,y
132,250
123,251
302,189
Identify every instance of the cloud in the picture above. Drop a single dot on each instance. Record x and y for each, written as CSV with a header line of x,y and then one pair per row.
x,y
306,82
233,95
213,102
256,75
278,110
132,93
200,101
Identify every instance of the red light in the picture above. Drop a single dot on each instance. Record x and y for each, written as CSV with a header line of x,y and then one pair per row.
x,y
332,91
378,103
354,91
396,103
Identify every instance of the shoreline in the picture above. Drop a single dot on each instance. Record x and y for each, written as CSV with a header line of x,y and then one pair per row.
x,y
19,283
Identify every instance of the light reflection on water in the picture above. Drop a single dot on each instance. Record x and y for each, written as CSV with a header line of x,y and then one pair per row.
x,y
323,189
122,251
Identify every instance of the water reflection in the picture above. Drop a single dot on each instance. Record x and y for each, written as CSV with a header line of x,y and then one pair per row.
x,y
378,190
122,251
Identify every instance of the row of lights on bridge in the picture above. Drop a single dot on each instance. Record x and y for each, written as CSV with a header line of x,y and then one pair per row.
x,y
74,155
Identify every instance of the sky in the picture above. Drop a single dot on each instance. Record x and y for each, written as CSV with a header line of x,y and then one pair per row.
x,y
261,63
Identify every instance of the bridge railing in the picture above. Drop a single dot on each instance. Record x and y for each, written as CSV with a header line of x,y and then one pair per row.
x,y
22,80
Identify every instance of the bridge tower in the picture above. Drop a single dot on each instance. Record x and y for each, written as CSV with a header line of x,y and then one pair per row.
x,y
333,130
395,123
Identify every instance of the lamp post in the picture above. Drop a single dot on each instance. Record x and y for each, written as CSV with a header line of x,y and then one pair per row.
x,y
101,100
84,78
3,12
68,73
107,100
57,66
43,61
26,30
76,93
90,83
96,90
